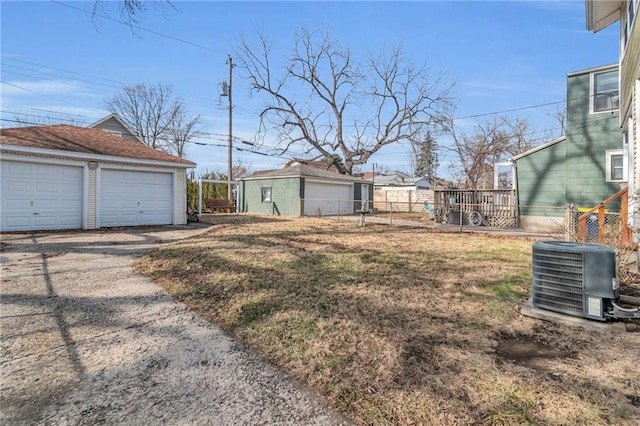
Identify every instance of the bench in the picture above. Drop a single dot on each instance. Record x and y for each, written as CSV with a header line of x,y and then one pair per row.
x,y
214,204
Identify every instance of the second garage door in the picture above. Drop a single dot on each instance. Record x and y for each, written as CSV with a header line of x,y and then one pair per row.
x,y
328,199
131,198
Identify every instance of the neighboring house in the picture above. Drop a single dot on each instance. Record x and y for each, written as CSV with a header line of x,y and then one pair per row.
x,y
303,188
68,177
599,15
114,125
399,180
401,192
582,168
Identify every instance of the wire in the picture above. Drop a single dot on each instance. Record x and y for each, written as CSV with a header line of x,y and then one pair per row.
x,y
137,27
7,58
244,111
510,110
48,96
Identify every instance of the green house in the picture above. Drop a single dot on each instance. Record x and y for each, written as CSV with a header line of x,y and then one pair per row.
x,y
304,188
582,168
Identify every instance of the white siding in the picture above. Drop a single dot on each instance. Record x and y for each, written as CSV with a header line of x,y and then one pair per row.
x,y
91,200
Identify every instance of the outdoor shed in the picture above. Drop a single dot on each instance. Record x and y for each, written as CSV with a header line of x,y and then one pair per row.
x,y
304,189
541,175
68,177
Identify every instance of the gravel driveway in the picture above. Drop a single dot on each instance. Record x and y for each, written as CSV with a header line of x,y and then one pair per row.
x,y
84,340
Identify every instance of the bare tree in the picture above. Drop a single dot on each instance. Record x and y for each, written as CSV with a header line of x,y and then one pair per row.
x,y
561,117
156,116
181,131
338,109
130,10
491,142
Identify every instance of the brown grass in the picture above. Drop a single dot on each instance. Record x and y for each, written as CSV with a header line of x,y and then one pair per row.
x,y
402,325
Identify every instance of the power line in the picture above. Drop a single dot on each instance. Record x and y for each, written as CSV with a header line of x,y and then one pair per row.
x,y
246,112
510,110
48,96
91,85
137,27
8,58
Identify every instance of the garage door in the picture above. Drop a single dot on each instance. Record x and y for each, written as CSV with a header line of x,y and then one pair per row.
x,y
129,198
40,196
327,199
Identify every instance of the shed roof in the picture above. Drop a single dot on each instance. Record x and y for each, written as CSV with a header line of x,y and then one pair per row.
x,y
539,148
62,137
303,170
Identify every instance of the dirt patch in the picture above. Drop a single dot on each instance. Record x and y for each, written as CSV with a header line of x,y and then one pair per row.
x,y
529,351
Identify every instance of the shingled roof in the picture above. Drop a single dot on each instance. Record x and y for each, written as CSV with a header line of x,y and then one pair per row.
x,y
84,140
303,170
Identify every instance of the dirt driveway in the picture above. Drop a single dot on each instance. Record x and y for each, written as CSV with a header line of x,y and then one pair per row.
x,y
84,340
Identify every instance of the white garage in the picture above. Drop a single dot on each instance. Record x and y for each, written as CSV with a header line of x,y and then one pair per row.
x,y
68,177
38,196
328,198
132,198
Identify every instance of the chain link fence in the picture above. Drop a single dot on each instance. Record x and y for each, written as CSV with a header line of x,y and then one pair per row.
x,y
610,230
496,212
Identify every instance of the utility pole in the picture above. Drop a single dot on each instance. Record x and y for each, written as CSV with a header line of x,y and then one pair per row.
x,y
230,143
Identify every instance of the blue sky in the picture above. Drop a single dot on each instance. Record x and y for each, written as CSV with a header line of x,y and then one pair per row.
x,y
502,56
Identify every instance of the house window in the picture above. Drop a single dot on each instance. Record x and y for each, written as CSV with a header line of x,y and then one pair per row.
x,y
615,166
266,194
605,92
113,132
632,12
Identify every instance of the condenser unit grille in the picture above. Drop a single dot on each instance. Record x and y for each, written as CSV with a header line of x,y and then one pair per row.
x,y
558,281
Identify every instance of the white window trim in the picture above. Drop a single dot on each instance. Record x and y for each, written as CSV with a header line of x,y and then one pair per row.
x,y
113,132
262,197
592,92
627,25
610,153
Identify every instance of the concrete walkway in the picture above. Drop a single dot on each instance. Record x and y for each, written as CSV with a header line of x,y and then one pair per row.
x,y
85,340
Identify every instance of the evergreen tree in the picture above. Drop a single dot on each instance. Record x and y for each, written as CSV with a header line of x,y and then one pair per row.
x,y
426,160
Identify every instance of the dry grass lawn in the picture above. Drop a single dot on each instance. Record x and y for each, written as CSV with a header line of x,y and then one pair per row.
x,y
399,325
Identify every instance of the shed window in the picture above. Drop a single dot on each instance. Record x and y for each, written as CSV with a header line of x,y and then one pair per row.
x,y
615,166
266,194
605,91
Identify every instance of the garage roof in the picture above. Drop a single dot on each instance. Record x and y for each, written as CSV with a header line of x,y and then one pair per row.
x,y
62,137
303,170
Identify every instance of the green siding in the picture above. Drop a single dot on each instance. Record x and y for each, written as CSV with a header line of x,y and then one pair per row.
x,y
285,199
589,136
573,170
542,179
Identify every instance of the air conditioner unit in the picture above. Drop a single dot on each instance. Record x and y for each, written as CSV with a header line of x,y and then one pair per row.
x,y
575,279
